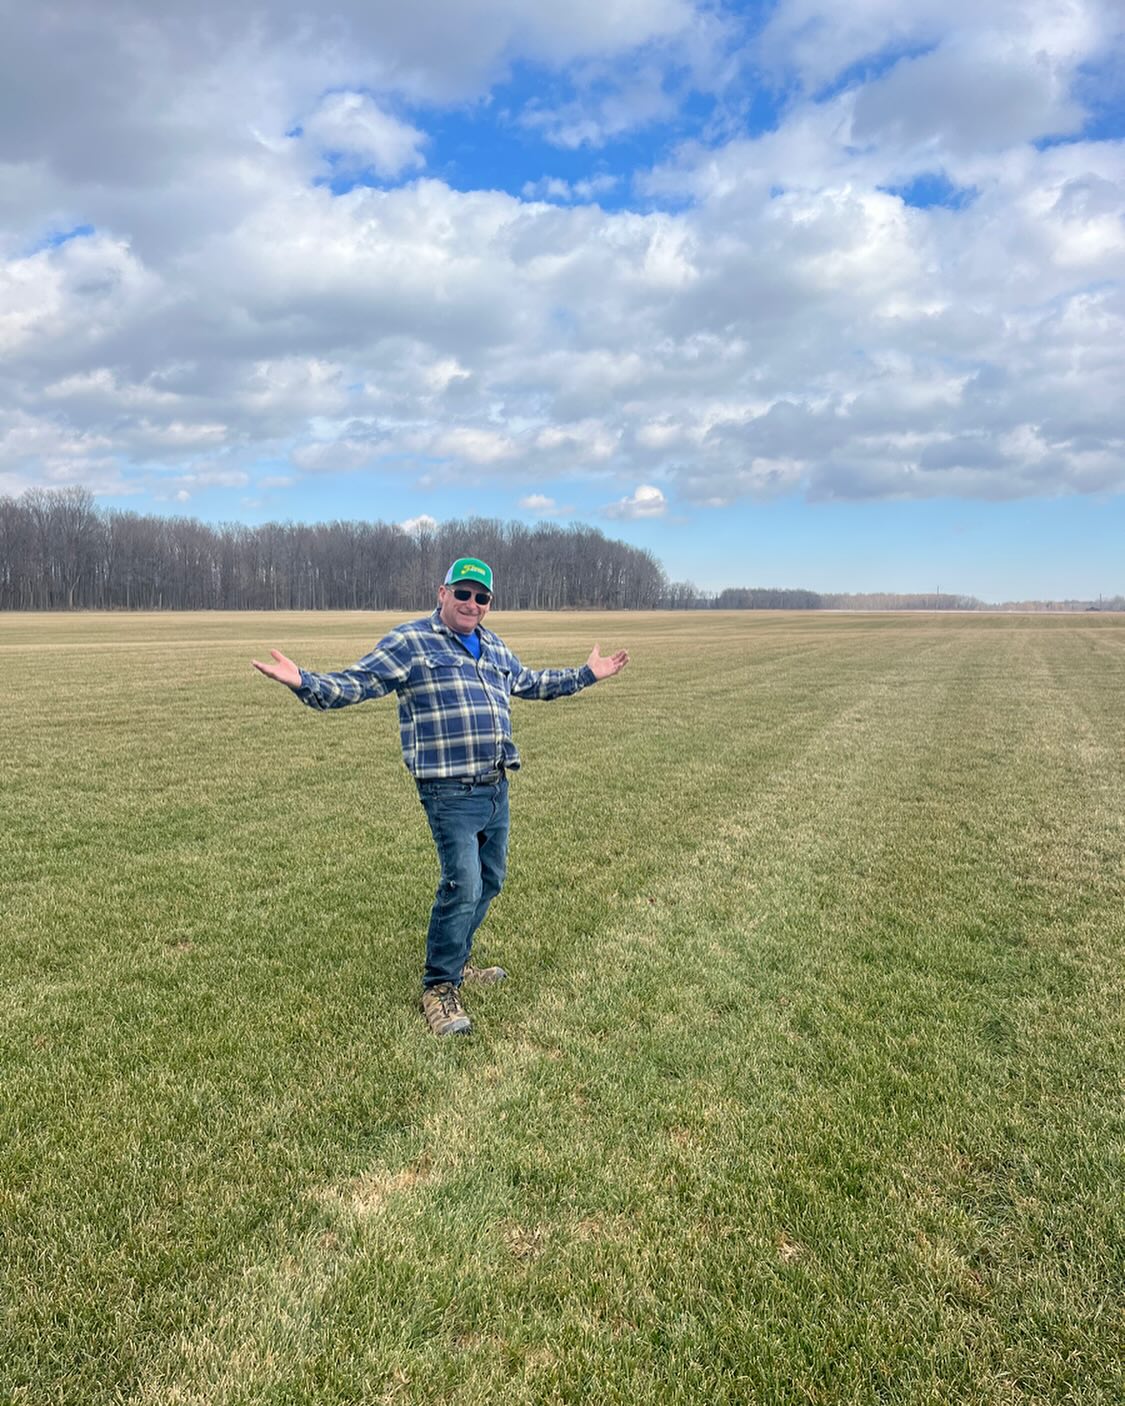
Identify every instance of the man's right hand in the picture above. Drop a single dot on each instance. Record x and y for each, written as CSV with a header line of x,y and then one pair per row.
x,y
282,669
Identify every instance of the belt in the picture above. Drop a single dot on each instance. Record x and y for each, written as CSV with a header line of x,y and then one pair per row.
x,y
486,778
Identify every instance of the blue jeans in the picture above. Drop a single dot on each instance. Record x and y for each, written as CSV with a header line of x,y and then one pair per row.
x,y
469,824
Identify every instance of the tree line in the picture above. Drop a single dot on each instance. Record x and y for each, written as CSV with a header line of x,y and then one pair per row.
x,y
777,598
758,599
59,551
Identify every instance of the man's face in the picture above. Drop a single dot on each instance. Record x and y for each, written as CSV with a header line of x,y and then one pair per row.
x,y
463,615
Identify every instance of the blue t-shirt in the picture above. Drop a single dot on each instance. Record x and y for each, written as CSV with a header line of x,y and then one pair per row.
x,y
471,643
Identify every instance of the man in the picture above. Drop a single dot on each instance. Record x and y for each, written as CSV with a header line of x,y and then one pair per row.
x,y
454,681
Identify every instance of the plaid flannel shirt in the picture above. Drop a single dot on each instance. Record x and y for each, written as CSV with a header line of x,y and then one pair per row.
x,y
454,711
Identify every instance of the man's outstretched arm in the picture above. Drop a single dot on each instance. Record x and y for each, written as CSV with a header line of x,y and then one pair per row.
x,y
559,683
376,674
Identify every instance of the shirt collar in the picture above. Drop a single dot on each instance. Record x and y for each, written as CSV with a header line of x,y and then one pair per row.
x,y
443,629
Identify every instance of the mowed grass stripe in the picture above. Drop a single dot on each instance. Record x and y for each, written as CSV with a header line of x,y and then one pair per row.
x,y
449,1129
431,1166
646,1132
1035,1031
749,1140
258,1011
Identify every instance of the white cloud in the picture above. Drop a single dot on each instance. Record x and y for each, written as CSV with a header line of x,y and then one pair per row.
x,y
341,455
541,505
79,294
353,127
965,98
594,119
214,478
818,40
590,441
646,501
444,373
422,523
62,455
474,445
791,323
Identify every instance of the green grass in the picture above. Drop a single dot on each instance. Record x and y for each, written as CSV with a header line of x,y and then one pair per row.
x,y
807,1085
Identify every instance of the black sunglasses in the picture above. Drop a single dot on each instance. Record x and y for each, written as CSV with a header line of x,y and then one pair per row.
x,y
481,597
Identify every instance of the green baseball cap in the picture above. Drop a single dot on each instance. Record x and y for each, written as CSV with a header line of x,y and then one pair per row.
x,y
469,569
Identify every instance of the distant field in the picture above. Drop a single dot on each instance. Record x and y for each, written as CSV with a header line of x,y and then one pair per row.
x,y
807,1085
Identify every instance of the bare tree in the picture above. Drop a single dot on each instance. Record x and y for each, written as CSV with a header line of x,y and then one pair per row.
x,y
16,568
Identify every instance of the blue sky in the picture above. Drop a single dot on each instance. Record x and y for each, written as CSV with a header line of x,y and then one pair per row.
x,y
794,294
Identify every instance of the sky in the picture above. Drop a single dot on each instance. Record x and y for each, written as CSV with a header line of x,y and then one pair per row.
x,y
810,293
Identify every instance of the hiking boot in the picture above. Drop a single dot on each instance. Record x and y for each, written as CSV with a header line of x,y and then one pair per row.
x,y
441,1005
484,976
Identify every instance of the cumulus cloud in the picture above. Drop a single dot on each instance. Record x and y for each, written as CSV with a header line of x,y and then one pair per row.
x,y
213,478
473,445
595,117
586,442
359,134
964,98
645,501
541,505
906,286
335,455
817,41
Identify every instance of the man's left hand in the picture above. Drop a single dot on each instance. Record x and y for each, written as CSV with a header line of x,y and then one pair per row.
x,y
605,668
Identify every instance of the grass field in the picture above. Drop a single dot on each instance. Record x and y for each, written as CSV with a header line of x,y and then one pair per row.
x,y
807,1085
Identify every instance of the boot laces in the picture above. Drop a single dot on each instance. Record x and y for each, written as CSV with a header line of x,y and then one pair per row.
x,y
450,1000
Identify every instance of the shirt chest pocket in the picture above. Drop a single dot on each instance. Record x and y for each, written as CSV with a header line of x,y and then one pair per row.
x,y
437,669
441,671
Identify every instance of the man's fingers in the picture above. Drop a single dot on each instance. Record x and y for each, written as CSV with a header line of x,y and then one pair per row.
x,y
604,665
282,669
